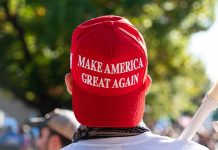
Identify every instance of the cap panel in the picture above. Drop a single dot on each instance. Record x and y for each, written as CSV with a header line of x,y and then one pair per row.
x,y
111,64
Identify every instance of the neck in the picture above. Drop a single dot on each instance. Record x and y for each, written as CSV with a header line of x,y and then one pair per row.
x,y
84,132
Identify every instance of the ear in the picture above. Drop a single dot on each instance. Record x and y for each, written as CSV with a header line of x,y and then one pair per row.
x,y
148,82
54,143
68,82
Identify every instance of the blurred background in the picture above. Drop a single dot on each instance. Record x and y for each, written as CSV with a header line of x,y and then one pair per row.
x,y
35,38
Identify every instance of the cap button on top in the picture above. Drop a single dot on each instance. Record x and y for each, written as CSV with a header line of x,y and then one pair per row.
x,y
109,23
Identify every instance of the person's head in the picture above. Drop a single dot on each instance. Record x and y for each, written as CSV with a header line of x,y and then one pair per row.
x,y
108,80
56,129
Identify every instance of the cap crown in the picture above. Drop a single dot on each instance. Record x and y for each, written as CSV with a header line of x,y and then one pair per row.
x,y
108,56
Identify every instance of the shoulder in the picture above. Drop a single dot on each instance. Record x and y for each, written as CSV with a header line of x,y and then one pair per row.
x,y
173,143
68,147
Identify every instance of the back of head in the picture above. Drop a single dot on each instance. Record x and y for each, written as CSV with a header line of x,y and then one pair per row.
x,y
61,121
109,70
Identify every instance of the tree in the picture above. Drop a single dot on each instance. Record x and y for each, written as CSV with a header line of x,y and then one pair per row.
x,y
35,40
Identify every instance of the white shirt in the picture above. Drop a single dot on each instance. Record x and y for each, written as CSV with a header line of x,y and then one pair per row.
x,y
145,141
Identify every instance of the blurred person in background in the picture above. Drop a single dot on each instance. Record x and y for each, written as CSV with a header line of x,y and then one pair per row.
x,y
56,129
108,83
10,138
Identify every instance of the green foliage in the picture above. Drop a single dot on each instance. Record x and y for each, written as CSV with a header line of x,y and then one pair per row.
x,y
35,41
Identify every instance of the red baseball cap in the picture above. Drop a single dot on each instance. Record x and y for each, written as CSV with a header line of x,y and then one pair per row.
x,y
109,69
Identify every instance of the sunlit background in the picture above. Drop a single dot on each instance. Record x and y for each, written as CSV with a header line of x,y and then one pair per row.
x,y
204,45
